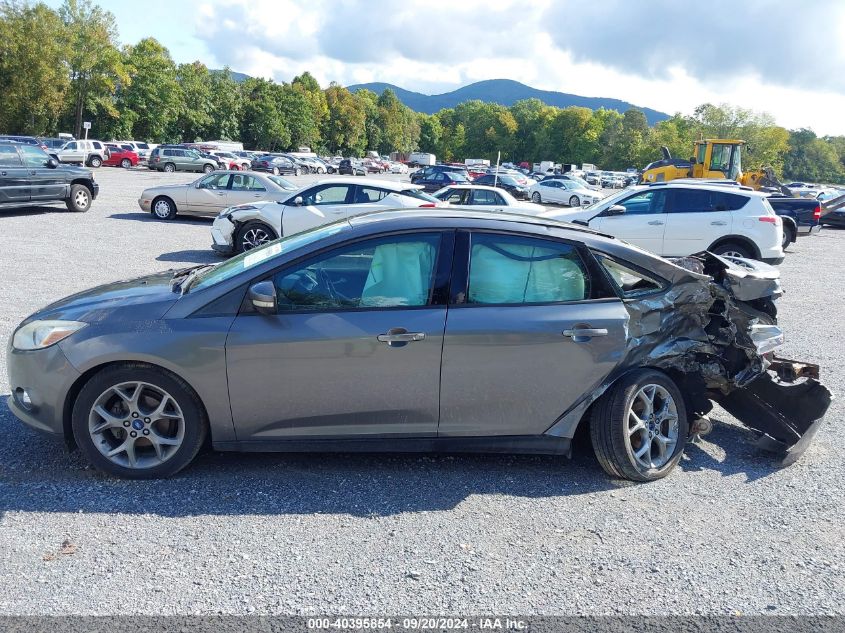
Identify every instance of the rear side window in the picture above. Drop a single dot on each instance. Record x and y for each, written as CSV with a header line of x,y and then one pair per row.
x,y
704,201
9,156
419,194
631,283
510,269
370,194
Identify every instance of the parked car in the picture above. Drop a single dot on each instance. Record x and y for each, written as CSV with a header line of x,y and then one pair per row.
x,y
231,160
678,219
239,229
83,152
276,164
171,159
482,198
426,172
351,167
398,168
505,181
337,339
561,191
212,193
436,180
51,144
120,157
26,140
31,177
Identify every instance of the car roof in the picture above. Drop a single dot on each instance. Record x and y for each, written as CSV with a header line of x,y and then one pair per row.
x,y
471,186
707,186
375,182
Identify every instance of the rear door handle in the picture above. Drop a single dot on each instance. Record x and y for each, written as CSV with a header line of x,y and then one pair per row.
x,y
582,333
718,223
656,222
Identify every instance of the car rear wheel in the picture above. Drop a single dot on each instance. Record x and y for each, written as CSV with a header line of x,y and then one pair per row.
x,y
208,168
297,171
733,249
80,199
639,427
536,198
126,163
95,161
169,168
788,236
138,422
574,202
164,208
254,234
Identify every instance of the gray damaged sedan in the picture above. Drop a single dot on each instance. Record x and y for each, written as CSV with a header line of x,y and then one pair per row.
x,y
417,331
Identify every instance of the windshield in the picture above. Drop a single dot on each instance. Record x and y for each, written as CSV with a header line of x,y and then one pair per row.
x,y
610,200
245,261
584,184
284,184
419,194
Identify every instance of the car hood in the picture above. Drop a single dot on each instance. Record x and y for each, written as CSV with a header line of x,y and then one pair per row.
x,y
144,298
79,172
172,189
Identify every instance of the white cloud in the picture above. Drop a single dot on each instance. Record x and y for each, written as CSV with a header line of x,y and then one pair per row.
x,y
665,58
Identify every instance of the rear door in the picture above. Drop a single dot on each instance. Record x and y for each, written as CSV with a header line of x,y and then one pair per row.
x,y
513,361
643,222
45,183
14,177
696,219
210,195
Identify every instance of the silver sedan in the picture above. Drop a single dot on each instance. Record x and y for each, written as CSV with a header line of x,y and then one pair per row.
x,y
212,193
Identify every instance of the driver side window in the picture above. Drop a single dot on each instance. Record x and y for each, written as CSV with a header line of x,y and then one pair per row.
x,y
389,272
328,194
645,203
216,181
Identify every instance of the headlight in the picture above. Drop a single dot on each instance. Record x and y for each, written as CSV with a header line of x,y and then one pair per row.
x,y
41,334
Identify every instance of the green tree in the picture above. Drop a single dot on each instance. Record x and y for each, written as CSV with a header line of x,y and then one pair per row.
x,y
262,126
94,63
196,116
373,134
431,133
153,100
33,81
344,129
226,106
811,158
297,111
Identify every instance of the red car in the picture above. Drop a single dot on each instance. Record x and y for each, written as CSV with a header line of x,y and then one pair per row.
x,y
120,157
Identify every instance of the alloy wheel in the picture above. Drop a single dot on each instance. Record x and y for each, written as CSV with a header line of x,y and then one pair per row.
x,y
162,209
136,425
80,200
536,197
255,237
652,427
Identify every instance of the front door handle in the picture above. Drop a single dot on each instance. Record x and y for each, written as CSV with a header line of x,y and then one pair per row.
x,y
718,223
399,337
582,332
656,222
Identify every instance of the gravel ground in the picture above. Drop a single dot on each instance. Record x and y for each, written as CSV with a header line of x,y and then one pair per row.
x,y
310,534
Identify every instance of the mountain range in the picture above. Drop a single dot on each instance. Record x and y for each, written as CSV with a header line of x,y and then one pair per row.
x,y
505,92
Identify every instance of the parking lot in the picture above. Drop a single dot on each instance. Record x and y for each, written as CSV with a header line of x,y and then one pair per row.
x,y
728,533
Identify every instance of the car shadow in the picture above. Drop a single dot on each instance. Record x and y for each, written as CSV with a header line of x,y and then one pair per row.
x,y
38,210
38,475
142,216
207,256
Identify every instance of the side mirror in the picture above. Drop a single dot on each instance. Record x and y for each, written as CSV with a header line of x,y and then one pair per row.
x,y
52,163
263,297
298,201
616,209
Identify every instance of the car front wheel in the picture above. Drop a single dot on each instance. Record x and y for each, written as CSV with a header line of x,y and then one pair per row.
x,y
733,249
208,168
535,197
95,161
80,199
126,163
254,234
164,209
170,168
639,427
297,171
138,422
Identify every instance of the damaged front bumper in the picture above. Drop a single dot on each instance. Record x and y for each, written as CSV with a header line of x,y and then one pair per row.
x,y
786,405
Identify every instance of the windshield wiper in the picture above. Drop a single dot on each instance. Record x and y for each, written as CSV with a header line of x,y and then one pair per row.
x,y
183,275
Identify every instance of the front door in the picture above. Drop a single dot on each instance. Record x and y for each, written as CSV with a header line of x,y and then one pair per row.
x,y
354,350
14,177
210,195
487,200
697,218
245,189
643,222
513,358
321,204
45,183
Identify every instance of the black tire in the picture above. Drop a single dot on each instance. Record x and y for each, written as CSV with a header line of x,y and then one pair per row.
x,y
788,236
733,249
195,420
609,425
126,163
250,235
297,171
536,198
574,202
80,199
208,168
95,161
163,208
169,168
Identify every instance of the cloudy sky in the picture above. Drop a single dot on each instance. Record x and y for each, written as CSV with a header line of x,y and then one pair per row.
x,y
784,58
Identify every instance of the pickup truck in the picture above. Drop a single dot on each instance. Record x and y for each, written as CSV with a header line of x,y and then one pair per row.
x,y
801,216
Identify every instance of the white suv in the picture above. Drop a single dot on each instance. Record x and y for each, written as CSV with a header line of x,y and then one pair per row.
x,y
678,219
84,152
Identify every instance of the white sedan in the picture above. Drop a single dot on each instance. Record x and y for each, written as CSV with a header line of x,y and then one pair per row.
x,y
213,192
483,198
398,168
242,228
562,191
